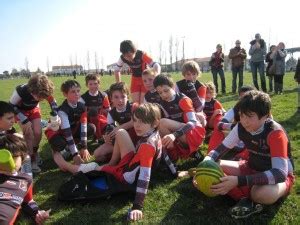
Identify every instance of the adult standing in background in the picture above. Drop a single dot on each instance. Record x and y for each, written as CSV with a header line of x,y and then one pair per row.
x,y
216,63
269,73
278,56
257,52
297,79
237,56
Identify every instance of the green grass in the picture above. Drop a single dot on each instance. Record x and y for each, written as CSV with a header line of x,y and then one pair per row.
x,y
168,201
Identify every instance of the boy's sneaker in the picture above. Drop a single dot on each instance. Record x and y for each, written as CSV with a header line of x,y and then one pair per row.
x,y
245,208
35,168
88,167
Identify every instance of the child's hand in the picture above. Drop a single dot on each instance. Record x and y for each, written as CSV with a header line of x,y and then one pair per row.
x,y
168,140
135,215
227,183
85,154
113,133
77,160
41,216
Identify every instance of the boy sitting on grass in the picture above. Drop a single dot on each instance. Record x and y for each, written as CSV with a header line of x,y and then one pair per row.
x,y
268,173
74,126
131,165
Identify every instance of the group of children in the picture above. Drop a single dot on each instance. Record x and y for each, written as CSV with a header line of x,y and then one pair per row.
x,y
166,121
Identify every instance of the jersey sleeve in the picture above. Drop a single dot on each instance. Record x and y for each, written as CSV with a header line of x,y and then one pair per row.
x,y
119,65
201,93
66,129
14,101
83,134
218,105
29,206
146,153
53,104
147,59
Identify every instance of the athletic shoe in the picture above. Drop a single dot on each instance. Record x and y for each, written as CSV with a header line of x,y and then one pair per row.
x,y
88,167
245,208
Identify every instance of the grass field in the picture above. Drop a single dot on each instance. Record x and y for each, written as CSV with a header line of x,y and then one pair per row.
x,y
168,201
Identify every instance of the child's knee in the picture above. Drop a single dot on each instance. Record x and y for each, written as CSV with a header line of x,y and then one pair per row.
x,y
264,194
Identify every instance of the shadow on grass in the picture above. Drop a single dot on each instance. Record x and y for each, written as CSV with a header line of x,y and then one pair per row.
x,y
192,207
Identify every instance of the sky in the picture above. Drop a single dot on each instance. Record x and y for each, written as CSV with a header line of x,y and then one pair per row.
x,y
63,32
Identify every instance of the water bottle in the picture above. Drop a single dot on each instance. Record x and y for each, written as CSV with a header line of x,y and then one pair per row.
x,y
54,121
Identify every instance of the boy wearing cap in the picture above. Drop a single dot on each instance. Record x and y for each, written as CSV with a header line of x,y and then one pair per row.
x,y
237,56
216,63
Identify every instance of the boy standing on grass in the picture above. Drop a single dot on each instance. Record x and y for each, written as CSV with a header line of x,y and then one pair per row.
x,y
297,79
74,127
268,173
15,186
131,165
138,61
97,104
25,100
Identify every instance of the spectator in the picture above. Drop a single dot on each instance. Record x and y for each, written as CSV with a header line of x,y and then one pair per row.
x,y
216,63
237,56
269,73
297,79
257,52
278,56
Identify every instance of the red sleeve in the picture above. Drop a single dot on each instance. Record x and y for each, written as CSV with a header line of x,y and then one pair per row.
x,y
106,103
278,143
146,153
83,118
202,91
50,99
218,105
28,197
186,105
146,58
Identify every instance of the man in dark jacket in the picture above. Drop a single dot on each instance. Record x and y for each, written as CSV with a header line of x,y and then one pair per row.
x,y
257,52
216,63
297,79
237,56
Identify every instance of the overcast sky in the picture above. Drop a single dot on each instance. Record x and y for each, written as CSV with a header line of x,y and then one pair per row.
x,y
65,30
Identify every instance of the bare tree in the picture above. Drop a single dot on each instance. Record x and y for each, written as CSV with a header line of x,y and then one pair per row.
x,y
96,62
176,53
160,51
171,50
47,63
26,64
88,60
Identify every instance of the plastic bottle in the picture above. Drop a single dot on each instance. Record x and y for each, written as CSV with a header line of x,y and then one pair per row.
x,y
54,121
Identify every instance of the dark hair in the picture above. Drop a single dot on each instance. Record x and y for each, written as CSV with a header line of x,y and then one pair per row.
x,y
255,102
120,86
148,113
5,107
244,89
14,144
67,85
127,46
92,77
163,79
